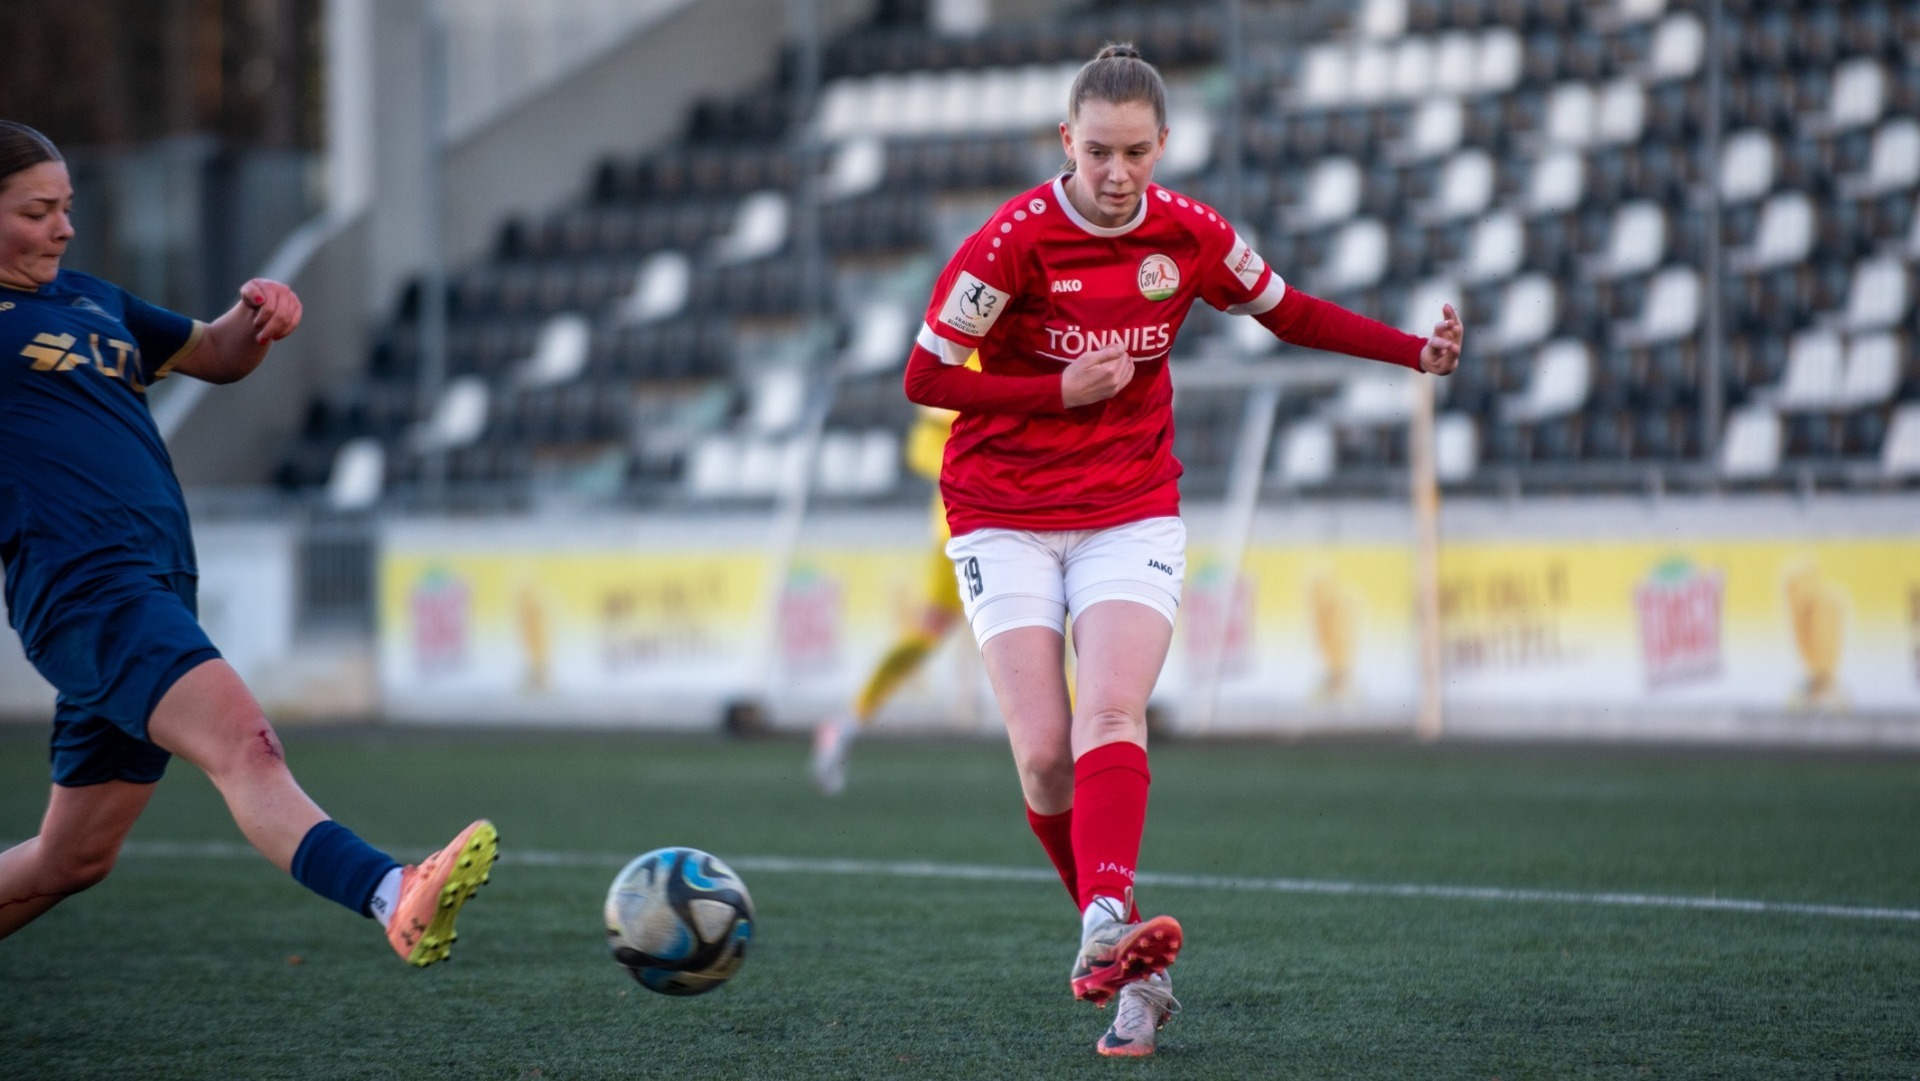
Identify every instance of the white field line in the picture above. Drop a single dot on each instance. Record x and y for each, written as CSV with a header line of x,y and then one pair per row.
x,y
987,873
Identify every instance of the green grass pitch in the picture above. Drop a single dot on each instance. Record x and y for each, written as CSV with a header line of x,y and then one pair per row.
x,y
195,960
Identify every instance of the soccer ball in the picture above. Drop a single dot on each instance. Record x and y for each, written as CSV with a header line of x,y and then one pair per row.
x,y
678,920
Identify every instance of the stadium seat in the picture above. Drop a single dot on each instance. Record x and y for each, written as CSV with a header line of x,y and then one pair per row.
x,y
1434,130
1636,242
1752,444
1496,248
1466,186
559,353
457,419
1872,373
1380,19
1456,447
1900,452
759,229
1859,94
1880,294
1814,364
1557,183
1893,161
1679,45
882,334
1561,377
1783,235
1746,166
358,475
1619,113
1372,400
1528,312
1672,308
660,289
858,166
1306,455
1358,257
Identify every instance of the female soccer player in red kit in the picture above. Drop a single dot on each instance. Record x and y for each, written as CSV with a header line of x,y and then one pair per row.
x,y
1063,493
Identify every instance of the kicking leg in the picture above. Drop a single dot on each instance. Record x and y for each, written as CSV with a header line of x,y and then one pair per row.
x,y
79,841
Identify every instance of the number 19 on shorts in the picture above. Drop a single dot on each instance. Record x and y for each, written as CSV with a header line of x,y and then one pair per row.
x,y
975,586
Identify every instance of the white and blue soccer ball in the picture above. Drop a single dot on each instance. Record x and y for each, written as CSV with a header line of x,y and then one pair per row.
x,y
679,920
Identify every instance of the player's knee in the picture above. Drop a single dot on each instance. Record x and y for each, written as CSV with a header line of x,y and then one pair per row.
x,y
1048,773
1111,724
246,744
78,869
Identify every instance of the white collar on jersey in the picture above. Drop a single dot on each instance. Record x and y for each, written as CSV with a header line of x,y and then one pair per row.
x,y
1060,196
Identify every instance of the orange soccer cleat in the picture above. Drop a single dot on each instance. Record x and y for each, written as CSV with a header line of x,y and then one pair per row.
x,y
432,891
1116,954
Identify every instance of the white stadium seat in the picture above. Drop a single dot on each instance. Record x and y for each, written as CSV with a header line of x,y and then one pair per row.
x,y
1893,161
1382,18
1456,447
1746,166
1784,234
1454,55
1679,45
1557,183
1900,453
759,229
1437,127
458,417
1306,453
1561,377
1672,306
1359,256
1424,301
1637,240
1333,193
1499,61
1528,311
1496,247
857,167
1751,446
1872,372
660,289
1812,378
358,475
882,333
1878,294
1570,115
1620,113
1859,93
559,351
1413,68
1374,398
1466,186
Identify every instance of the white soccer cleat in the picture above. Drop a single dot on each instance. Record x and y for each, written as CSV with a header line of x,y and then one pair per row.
x,y
1142,1010
830,756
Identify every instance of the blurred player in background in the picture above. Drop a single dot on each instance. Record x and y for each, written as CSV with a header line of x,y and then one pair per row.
x,y
101,584
939,610
1062,491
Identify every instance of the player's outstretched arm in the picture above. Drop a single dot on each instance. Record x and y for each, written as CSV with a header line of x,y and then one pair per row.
x,y
236,343
1308,321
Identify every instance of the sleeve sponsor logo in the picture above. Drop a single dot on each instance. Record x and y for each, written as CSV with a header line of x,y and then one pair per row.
x,y
1159,277
1245,263
972,306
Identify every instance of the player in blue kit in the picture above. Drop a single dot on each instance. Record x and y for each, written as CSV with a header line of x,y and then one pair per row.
x,y
100,585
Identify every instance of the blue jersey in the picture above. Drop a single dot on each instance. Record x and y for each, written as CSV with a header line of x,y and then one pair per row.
x,y
87,489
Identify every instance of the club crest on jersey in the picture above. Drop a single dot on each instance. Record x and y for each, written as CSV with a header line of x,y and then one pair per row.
x,y
972,306
1159,277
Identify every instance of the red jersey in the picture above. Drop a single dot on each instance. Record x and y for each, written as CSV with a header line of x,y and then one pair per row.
x,y
1039,286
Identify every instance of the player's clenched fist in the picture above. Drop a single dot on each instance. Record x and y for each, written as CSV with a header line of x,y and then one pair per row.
x,y
273,308
1441,354
1096,376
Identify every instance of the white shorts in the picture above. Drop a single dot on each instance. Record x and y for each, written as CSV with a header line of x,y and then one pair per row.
x,y
1015,578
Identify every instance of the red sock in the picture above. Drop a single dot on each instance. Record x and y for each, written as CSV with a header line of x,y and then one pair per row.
x,y
1109,813
1056,836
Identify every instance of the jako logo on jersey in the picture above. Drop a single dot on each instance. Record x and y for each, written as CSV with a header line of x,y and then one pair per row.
x,y
1159,277
1161,567
972,306
1067,285
1115,868
1070,342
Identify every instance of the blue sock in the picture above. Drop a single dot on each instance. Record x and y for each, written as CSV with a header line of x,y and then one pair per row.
x,y
336,864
